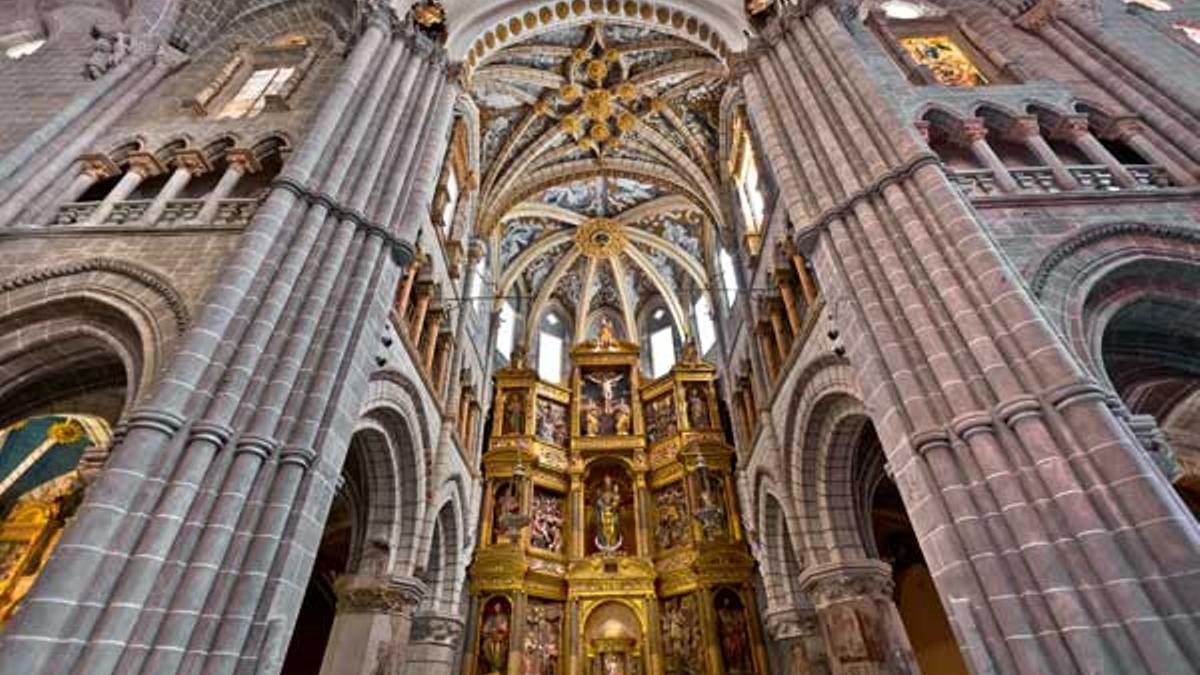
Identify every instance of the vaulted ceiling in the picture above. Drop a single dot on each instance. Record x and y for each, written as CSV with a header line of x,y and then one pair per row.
x,y
599,164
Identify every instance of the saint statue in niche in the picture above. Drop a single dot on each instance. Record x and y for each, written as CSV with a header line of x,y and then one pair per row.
x,y
514,412
607,335
697,407
660,418
495,633
612,663
735,640
608,516
681,636
711,513
508,519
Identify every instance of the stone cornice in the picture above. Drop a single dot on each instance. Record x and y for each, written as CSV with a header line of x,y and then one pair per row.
x,y
403,252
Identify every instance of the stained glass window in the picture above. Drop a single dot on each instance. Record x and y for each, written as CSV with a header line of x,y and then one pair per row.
x,y
705,330
451,204
506,331
728,276
252,97
945,59
23,49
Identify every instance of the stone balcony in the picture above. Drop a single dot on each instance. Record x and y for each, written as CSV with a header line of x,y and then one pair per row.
x,y
178,213
975,183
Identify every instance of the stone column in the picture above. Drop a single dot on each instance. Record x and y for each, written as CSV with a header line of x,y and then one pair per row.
x,y
1063,571
429,339
417,325
371,630
405,292
1028,131
239,162
1074,128
192,550
860,622
93,169
973,134
188,164
787,292
769,348
435,641
783,334
142,165
1131,132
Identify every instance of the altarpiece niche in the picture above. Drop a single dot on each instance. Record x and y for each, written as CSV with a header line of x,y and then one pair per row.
x,y
610,540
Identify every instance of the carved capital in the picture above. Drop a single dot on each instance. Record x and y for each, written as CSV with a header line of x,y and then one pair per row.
x,y
858,580
193,161
439,629
1071,127
242,159
99,166
359,594
972,130
1023,127
146,164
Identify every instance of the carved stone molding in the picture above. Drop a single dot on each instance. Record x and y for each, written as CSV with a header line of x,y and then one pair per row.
x,y
439,629
359,594
834,583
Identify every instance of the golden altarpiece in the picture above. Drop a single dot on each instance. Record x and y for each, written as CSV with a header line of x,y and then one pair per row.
x,y
610,542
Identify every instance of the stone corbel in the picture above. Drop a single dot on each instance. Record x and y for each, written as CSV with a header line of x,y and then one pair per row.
x,y
368,594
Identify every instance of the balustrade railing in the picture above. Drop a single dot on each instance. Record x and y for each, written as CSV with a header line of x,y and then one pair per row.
x,y
1040,179
178,212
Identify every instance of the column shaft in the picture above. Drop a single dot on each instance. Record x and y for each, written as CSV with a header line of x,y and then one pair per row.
x,y
119,193
212,202
175,184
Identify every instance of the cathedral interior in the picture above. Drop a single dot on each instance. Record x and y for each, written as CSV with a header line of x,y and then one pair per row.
x,y
599,337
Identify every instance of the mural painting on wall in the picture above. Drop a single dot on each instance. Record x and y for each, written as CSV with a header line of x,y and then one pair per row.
x,y
40,488
514,412
697,407
494,637
552,422
546,520
660,418
605,408
541,646
611,497
670,505
734,633
711,512
681,636
854,635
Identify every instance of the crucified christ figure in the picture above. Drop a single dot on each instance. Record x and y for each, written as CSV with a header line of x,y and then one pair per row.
x,y
606,388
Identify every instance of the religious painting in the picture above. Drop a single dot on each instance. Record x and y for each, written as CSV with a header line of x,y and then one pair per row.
x,y
660,418
671,517
610,517
945,59
494,631
604,408
552,422
513,413
540,647
696,397
682,638
546,520
733,632
507,519
40,487
710,510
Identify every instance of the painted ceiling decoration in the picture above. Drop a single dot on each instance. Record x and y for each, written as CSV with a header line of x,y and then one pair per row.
x,y
599,158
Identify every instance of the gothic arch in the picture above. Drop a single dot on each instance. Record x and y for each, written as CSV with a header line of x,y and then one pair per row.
x,y
443,569
780,566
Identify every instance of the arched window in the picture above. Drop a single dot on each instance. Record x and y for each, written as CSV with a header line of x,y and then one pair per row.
x,y
659,332
747,176
706,330
931,48
728,273
552,338
506,330
453,179
477,278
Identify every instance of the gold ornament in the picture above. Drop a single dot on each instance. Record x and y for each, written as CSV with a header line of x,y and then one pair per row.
x,y
66,432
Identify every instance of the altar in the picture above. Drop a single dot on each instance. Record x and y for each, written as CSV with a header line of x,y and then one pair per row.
x,y
610,542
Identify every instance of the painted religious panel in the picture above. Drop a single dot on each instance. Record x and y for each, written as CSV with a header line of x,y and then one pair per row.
x,y
660,418
605,404
552,422
682,638
495,629
733,632
546,520
698,414
671,521
541,644
944,58
611,511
